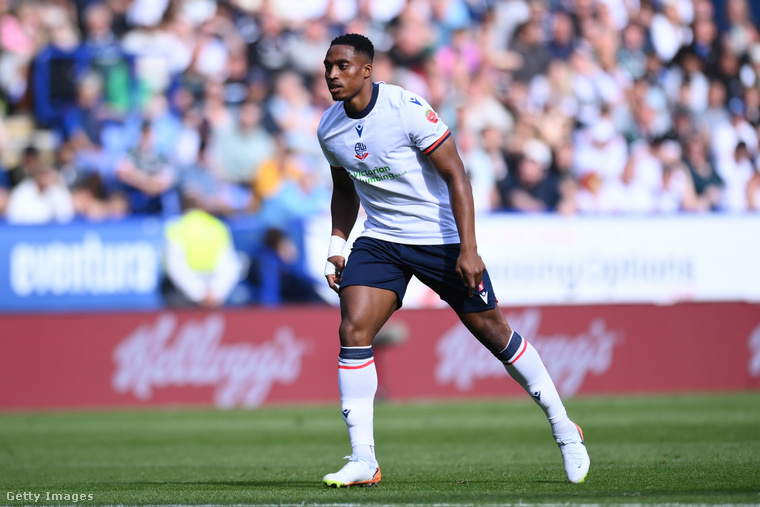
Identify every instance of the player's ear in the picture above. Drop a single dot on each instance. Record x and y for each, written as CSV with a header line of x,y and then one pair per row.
x,y
367,70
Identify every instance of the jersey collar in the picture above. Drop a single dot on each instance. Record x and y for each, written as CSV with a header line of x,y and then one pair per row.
x,y
364,112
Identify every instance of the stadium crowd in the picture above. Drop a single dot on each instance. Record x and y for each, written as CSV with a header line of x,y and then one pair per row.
x,y
566,106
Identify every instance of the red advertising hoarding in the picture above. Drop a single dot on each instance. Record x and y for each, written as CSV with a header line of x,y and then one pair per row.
x,y
252,357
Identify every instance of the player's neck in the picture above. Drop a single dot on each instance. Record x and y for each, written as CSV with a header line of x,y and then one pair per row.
x,y
362,103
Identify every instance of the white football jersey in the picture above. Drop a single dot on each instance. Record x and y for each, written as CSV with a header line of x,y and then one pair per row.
x,y
385,151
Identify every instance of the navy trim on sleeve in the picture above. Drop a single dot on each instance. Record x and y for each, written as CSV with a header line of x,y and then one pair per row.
x,y
430,149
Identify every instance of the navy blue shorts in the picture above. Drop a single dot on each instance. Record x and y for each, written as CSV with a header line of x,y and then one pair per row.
x,y
386,265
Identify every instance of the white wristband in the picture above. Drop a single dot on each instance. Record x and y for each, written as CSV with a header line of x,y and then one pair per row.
x,y
337,244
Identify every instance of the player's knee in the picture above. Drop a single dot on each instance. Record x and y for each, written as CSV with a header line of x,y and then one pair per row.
x,y
352,335
491,330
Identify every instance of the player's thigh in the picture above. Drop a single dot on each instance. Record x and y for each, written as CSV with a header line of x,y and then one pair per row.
x,y
378,264
490,327
363,311
435,266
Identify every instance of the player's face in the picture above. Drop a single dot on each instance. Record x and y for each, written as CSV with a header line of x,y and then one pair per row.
x,y
346,71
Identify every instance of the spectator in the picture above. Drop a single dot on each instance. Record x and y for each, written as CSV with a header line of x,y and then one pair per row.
x,y
237,79
705,45
552,101
486,164
687,86
270,49
631,55
668,31
675,191
533,188
529,48
85,121
199,183
295,117
562,168
148,178
240,149
214,108
483,108
741,31
707,184
727,72
160,53
412,41
100,41
305,52
92,198
737,173
631,191
728,134
193,132
201,264
600,149
278,273
18,42
285,188
462,54
716,112
562,41
41,197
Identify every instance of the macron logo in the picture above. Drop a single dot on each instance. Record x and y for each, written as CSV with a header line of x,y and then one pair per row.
x,y
359,129
484,296
414,100
345,413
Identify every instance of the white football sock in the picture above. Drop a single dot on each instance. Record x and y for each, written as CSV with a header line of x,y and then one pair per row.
x,y
357,378
524,365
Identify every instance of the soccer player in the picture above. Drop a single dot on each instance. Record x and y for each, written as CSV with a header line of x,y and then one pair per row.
x,y
389,151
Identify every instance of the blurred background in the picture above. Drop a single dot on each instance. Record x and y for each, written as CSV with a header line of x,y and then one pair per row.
x,y
162,154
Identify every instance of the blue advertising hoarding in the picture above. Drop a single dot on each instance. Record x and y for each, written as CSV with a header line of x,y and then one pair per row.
x,y
81,266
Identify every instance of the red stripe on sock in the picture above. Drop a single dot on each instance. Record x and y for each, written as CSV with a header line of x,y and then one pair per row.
x,y
525,346
341,367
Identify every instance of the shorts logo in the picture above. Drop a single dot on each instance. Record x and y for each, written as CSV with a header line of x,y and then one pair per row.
x,y
482,292
361,151
431,116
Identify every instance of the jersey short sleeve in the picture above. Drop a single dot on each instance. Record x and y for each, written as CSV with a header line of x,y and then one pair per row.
x,y
425,129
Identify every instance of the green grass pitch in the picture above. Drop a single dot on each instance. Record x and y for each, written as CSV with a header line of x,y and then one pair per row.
x,y
644,450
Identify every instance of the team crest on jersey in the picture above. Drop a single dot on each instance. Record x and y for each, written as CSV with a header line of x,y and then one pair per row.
x,y
432,117
361,151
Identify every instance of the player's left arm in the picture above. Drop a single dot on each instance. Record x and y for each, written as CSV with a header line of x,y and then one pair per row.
x,y
449,165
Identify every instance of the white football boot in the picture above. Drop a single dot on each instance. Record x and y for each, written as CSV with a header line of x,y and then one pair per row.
x,y
575,455
357,472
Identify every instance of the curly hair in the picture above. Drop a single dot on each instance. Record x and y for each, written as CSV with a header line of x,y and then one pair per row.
x,y
360,43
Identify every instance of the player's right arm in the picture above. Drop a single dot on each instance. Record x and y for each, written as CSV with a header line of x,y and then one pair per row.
x,y
344,208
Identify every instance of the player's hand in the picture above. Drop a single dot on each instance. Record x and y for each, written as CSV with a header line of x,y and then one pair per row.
x,y
470,267
334,271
